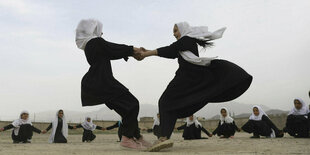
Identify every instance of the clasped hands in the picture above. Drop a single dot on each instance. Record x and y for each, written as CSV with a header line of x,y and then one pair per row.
x,y
139,53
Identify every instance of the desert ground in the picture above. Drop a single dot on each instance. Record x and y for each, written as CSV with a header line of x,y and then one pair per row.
x,y
107,144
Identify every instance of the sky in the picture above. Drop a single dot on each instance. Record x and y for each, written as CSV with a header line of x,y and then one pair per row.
x,y
41,67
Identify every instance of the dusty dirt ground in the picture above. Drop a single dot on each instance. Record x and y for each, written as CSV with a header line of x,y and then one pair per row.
x,y
107,144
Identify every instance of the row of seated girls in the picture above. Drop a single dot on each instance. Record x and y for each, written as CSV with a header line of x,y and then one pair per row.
x,y
23,129
259,124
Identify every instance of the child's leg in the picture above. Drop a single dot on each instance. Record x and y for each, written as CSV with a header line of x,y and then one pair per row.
x,y
167,123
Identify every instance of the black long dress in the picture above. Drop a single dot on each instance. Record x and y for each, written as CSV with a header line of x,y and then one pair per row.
x,y
261,128
118,125
156,130
88,135
59,137
194,86
297,126
192,132
100,87
226,129
25,133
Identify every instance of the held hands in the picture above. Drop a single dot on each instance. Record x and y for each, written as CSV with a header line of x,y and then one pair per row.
x,y
103,129
74,127
1,129
43,131
138,53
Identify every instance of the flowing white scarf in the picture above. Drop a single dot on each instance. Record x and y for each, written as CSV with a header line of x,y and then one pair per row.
x,y
259,118
199,32
156,121
302,111
89,125
54,127
226,119
86,30
190,122
17,123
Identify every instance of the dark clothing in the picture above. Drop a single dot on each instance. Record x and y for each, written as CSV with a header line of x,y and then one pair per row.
x,y
192,132
297,126
194,86
261,128
24,134
156,130
59,137
226,129
88,135
118,125
98,84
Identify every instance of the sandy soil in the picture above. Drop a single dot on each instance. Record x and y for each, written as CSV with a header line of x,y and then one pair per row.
x,y
107,144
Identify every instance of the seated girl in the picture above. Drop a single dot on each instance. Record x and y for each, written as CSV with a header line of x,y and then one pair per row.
x,y
192,129
260,125
226,127
297,123
89,127
22,129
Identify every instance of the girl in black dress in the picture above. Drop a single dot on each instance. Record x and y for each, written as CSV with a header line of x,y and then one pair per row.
x,y
198,81
99,85
226,127
297,123
88,127
59,128
22,129
260,125
192,129
118,125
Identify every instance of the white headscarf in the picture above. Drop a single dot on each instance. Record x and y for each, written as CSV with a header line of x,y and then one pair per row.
x,y
156,121
199,32
89,125
302,111
17,123
54,127
189,122
86,30
260,115
226,119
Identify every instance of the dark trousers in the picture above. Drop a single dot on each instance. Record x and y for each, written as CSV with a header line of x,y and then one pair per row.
x,y
167,122
127,106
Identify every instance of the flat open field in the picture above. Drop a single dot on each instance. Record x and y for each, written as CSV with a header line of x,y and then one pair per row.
x,y
107,144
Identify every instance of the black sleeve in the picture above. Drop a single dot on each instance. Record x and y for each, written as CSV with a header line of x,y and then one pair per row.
x,y
113,126
8,127
215,131
98,127
34,129
205,130
116,51
70,127
181,127
172,51
269,122
79,126
49,127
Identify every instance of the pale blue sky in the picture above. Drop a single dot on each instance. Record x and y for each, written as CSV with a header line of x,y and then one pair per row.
x,y
41,67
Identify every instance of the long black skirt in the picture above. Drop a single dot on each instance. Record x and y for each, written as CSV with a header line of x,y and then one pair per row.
x,y
226,130
156,131
192,132
259,128
24,135
59,138
297,126
192,88
88,136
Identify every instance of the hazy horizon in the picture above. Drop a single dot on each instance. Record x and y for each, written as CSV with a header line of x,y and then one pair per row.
x,y
41,67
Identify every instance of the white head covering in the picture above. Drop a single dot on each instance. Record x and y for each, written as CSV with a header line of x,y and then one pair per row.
x,y
89,125
86,30
18,122
260,115
54,127
259,118
189,122
302,111
156,121
226,119
199,32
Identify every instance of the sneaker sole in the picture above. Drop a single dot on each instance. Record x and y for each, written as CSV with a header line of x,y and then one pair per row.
x,y
131,149
163,145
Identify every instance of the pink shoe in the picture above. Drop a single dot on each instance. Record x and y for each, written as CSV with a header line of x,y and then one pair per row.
x,y
144,142
129,143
